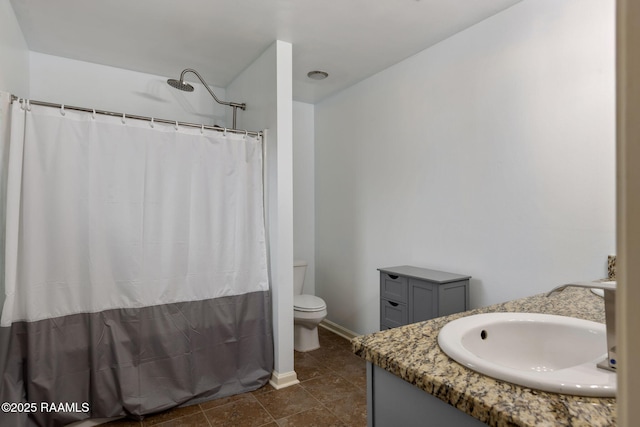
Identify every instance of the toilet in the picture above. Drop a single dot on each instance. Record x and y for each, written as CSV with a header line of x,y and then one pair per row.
x,y
308,312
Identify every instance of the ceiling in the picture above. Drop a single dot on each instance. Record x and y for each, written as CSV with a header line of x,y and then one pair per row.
x,y
350,39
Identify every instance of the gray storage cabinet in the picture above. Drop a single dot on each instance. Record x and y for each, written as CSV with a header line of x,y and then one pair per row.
x,y
412,294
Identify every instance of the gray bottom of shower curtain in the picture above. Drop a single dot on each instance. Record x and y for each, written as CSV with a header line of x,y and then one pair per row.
x,y
134,362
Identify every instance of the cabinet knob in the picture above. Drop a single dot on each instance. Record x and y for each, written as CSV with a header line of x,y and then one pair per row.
x,y
393,304
393,276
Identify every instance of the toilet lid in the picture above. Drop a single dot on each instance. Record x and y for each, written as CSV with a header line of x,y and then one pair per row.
x,y
308,303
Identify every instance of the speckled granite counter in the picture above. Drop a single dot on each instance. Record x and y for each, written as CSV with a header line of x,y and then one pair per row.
x,y
412,353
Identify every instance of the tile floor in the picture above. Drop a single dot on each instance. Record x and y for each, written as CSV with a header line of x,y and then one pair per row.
x,y
332,392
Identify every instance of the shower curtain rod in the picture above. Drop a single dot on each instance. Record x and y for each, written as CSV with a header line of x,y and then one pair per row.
x,y
133,116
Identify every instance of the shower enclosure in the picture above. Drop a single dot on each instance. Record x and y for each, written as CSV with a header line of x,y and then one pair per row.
x,y
135,264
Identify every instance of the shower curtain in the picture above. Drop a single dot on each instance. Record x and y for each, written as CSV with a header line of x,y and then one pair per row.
x,y
135,266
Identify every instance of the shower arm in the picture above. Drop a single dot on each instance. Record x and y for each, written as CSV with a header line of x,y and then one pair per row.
x,y
233,105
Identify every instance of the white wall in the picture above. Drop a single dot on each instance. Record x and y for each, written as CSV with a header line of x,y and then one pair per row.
x,y
14,54
303,190
490,154
266,87
14,79
85,84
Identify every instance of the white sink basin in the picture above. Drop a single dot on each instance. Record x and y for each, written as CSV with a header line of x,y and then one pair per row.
x,y
540,351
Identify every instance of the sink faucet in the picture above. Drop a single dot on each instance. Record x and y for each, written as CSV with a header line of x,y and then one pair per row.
x,y
610,316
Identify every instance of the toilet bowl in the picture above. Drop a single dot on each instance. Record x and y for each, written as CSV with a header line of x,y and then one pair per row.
x,y
308,312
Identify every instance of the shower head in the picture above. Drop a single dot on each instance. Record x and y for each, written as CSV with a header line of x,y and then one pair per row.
x,y
180,85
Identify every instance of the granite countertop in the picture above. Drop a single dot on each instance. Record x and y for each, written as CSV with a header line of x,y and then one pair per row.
x,y
412,353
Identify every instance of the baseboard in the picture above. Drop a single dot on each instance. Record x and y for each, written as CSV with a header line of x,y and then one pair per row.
x,y
283,380
338,330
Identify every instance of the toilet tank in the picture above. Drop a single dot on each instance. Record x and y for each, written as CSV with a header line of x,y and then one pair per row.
x,y
299,270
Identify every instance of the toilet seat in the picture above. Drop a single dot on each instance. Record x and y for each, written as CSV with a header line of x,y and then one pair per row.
x,y
308,303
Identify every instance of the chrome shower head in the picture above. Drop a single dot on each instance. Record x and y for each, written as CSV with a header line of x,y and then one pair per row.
x,y
180,85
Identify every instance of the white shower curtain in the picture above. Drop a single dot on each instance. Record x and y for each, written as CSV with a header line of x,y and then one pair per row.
x,y
135,264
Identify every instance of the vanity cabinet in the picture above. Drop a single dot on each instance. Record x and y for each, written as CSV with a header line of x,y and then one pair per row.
x,y
411,294
391,401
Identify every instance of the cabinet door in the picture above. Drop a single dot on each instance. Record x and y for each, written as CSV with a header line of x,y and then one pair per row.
x,y
453,298
423,300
